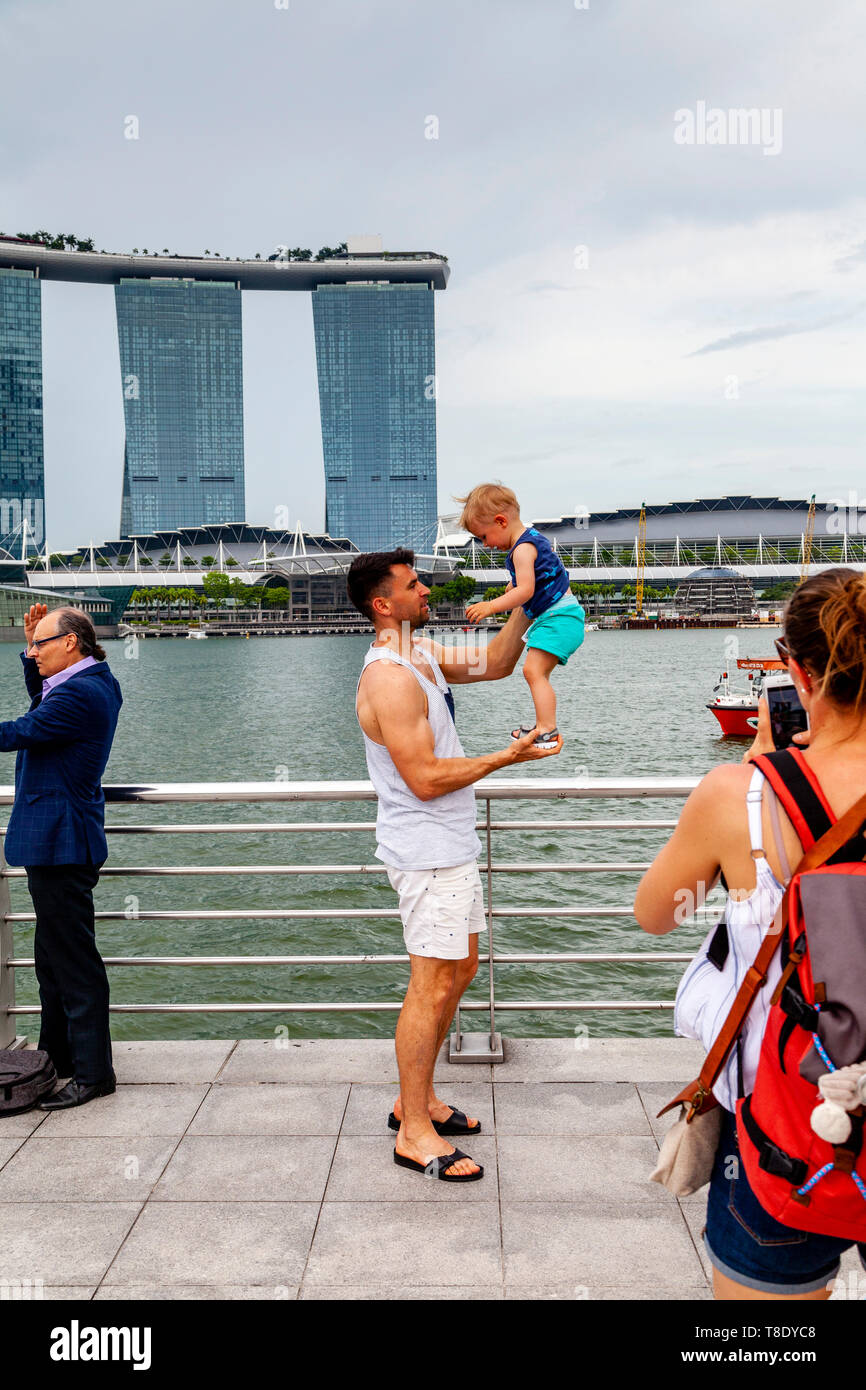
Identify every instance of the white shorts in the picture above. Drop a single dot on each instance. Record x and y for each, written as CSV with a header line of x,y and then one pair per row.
x,y
440,909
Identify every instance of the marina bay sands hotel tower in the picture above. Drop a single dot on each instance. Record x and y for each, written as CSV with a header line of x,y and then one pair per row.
x,y
180,341
180,364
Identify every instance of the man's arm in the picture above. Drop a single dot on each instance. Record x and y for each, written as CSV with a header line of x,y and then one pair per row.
x,y
461,665
32,678
62,719
32,619
397,705
686,868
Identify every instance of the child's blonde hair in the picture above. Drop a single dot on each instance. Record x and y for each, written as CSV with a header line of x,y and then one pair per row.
x,y
485,501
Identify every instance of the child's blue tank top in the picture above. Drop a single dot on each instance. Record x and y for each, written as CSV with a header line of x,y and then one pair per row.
x,y
551,579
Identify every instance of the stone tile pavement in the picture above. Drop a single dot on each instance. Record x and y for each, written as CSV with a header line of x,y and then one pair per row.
x,y
246,1170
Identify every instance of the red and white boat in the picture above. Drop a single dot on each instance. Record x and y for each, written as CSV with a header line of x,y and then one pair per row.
x,y
737,710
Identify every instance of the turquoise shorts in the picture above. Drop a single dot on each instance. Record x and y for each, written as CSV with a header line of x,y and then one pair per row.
x,y
559,630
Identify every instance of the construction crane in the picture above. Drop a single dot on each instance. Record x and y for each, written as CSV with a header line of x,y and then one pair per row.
x,y
640,557
807,540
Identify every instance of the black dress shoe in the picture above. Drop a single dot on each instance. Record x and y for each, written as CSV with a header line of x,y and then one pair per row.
x,y
77,1093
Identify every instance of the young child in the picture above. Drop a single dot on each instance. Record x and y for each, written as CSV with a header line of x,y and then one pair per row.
x,y
538,582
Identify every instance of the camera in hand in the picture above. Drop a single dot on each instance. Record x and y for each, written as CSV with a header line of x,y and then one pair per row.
x,y
787,715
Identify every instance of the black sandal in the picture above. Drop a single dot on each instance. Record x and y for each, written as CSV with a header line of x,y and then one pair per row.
x,y
457,1124
442,1163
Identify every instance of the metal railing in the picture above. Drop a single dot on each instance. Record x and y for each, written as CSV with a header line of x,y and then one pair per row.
x,y
492,792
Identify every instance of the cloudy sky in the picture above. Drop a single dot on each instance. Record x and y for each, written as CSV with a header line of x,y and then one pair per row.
x,y
628,316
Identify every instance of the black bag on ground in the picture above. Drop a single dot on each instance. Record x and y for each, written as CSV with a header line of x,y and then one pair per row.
x,y
25,1077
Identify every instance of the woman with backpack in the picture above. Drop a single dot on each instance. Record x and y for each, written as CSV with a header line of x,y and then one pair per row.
x,y
735,825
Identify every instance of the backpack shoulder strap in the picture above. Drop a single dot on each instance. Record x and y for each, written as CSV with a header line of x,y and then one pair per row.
x,y
773,807
799,791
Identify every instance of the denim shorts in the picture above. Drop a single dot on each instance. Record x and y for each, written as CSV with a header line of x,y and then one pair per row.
x,y
750,1246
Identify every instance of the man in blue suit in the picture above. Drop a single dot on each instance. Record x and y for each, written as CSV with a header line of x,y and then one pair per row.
x,y
57,832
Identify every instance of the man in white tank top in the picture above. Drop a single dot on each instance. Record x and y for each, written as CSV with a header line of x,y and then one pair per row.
x,y
425,832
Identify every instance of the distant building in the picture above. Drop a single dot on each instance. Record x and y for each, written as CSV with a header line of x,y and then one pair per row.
x,y
765,537
179,328
713,591
15,601
312,567
376,361
22,461
180,363
703,521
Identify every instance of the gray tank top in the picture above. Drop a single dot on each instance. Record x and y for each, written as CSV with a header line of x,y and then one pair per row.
x,y
410,833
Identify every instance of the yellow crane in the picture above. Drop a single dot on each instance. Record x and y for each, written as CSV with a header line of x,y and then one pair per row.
x,y
641,561
807,540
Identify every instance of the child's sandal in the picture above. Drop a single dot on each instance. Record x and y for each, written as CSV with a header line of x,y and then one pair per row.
x,y
545,741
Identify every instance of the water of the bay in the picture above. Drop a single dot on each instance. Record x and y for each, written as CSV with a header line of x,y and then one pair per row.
x,y
264,709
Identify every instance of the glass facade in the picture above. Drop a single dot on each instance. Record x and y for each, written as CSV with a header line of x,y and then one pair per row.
x,y
22,467
375,354
180,363
15,602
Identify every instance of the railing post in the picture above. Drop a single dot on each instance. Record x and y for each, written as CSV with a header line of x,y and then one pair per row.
x,y
456,1037
7,974
475,1047
495,1040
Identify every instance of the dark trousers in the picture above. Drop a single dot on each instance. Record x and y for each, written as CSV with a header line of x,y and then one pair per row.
x,y
73,985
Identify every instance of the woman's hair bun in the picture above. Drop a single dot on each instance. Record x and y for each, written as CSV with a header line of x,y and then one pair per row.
x,y
825,628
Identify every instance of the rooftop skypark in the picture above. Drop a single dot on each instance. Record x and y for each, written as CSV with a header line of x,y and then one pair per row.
x,y
66,241
64,256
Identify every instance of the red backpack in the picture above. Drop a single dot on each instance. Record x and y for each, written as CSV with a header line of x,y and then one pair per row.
x,y
816,1022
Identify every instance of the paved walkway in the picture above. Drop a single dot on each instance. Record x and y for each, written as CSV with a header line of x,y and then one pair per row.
x,y
250,1170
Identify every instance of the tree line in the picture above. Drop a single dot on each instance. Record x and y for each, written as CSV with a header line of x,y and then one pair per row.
x,y
66,241
58,241
217,588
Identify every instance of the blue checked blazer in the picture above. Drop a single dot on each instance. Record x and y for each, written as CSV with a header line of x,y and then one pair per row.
x,y
63,746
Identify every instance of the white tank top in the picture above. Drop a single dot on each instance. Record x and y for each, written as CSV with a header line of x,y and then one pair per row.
x,y
705,994
410,833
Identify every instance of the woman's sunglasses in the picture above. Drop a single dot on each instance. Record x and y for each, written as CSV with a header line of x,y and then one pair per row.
x,y
781,648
